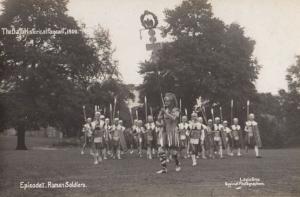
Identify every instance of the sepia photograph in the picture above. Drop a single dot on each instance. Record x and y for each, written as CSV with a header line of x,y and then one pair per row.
x,y
146,98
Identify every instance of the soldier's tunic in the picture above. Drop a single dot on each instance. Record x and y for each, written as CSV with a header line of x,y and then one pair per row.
x,y
219,137
252,134
150,130
98,134
171,139
116,134
209,138
107,134
98,138
140,135
236,136
131,137
229,140
195,135
183,131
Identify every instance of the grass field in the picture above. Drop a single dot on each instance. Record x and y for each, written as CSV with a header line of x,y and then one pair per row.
x,y
279,170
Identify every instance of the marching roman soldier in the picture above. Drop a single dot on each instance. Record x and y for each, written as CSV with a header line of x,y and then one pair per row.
x,y
228,134
98,139
236,136
183,129
133,139
195,135
107,138
202,137
116,132
149,131
210,139
252,135
218,137
88,132
169,114
140,136
123,145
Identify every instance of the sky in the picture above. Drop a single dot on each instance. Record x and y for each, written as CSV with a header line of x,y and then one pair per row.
x,y
273,24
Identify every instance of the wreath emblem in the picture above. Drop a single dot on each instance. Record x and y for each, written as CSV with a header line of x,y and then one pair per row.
x,y
149,20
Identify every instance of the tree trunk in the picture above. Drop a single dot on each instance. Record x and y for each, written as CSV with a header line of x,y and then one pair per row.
x,y
21,138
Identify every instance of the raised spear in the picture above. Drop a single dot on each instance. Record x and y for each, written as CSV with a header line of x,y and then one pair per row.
x,y
231,111
114,109
248,106
110,112
146,110
151,111
180,107
221,114
212,114
84,113
137,114
95,108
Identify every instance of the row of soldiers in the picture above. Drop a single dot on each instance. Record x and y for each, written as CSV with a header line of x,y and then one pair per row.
x,y
192,139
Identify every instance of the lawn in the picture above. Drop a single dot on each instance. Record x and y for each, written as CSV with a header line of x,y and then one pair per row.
x,y
278,170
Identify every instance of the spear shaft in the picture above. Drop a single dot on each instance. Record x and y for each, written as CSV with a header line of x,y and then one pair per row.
x,y
84,112
231,111
248,106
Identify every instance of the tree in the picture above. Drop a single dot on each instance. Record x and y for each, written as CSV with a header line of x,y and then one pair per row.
x,y
290,101
45,76
271,120
205,57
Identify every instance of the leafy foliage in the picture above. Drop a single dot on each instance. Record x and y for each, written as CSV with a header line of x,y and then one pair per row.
x,y
205,57
290,101
46,78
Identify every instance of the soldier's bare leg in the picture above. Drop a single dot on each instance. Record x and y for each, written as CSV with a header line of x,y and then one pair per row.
x,y
175,157
257,151
203,151
194,159
83,147
163,160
